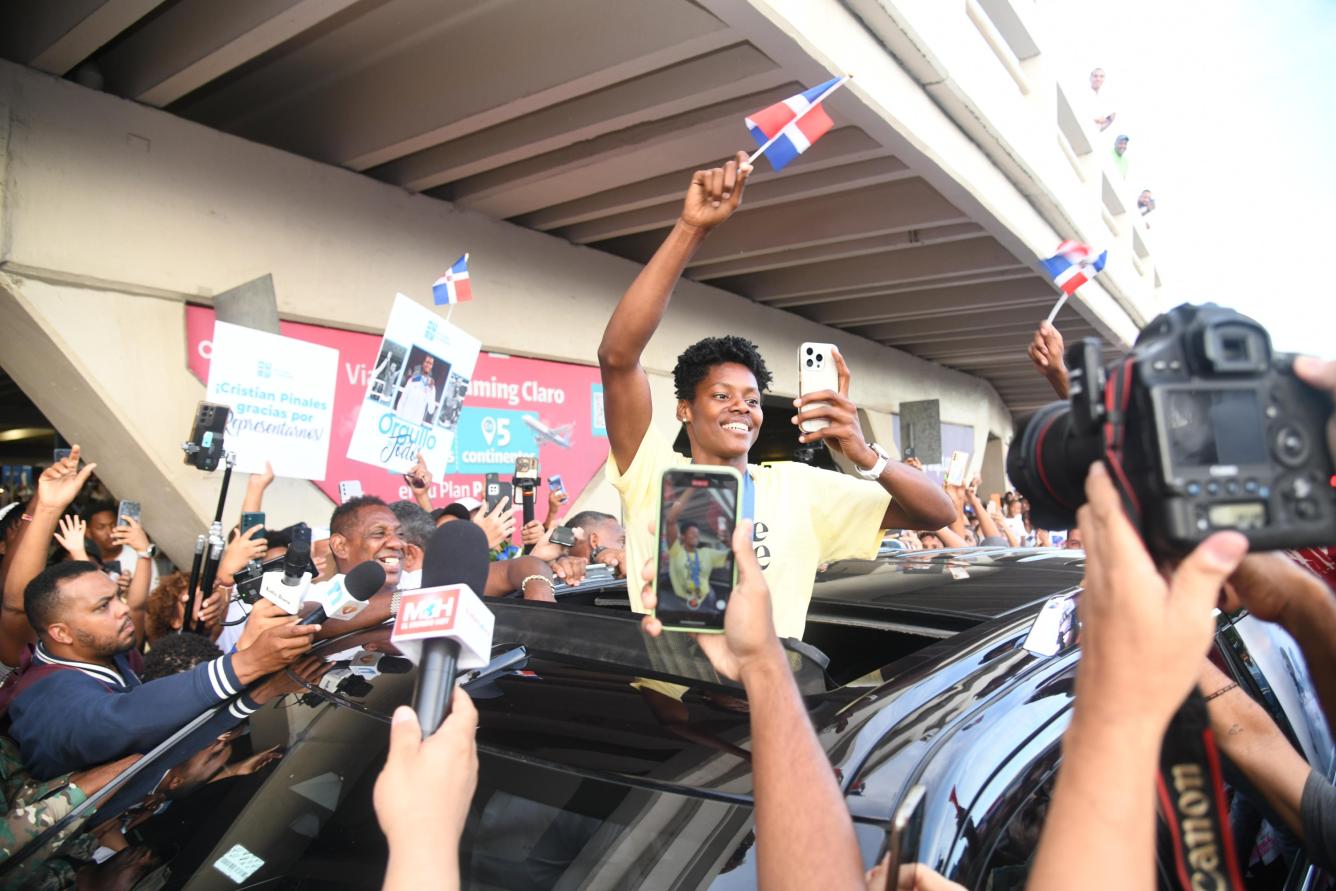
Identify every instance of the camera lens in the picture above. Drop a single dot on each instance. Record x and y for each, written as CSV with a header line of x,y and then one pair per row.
x,y
809,351
1048,462
809,361
819,357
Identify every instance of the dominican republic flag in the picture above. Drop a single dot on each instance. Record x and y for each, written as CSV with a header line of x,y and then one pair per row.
x,y
1074,264
453,287
787,129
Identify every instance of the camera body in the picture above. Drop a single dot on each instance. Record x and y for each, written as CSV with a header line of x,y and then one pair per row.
x,y
1203,429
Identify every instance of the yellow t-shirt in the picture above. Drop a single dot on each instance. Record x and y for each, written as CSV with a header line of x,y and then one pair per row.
x,y
690,573
804,517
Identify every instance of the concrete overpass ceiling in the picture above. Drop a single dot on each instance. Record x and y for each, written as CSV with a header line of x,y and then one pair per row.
x,y
582,119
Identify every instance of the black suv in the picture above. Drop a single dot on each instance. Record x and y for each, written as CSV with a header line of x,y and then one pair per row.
x,y
610,760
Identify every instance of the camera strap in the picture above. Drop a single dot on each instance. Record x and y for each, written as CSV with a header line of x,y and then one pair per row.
x,y
1117,395
1192,798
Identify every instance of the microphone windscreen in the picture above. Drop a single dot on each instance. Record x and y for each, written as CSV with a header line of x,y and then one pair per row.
x,y
364,580
456,554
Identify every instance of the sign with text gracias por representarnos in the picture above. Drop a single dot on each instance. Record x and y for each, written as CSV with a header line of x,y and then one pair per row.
x,y
281,392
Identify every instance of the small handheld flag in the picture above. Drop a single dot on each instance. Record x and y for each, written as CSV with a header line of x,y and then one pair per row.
x,y
1071,267
453,286
787,129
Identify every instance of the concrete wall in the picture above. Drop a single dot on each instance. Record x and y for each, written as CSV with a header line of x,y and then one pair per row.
x,y
114,214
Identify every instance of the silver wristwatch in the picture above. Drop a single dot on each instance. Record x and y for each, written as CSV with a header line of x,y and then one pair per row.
x,y
874,472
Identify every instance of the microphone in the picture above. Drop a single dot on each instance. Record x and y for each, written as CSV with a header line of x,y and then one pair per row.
x,y
298,556
344,596
287,589
447,615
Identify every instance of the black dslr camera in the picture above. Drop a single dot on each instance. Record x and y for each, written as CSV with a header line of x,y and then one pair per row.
x,y
1202,428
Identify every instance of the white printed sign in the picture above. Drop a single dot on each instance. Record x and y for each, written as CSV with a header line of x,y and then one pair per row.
x,y
281,392
414,391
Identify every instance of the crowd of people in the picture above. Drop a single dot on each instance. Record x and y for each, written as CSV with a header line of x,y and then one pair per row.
x,y
107,655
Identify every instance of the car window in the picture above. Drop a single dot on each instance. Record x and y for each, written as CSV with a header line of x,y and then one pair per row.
x,y
1008,866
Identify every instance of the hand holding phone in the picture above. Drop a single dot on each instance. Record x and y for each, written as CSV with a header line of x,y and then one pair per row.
x,y
125,510
816,372
695,570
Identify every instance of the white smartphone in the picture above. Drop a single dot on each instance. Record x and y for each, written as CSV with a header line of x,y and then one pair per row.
x,y
349,489
955,471
816,371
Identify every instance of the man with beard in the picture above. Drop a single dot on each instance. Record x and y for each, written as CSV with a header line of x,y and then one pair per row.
x,y
80,702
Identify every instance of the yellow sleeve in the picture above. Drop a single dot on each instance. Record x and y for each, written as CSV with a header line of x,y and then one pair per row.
x,y
639,488
846,512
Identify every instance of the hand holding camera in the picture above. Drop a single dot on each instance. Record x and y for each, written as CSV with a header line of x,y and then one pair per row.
x,y
1203,429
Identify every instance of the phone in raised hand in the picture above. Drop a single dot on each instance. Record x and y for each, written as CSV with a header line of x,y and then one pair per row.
x,y
816,371
127,509
955,471
695,569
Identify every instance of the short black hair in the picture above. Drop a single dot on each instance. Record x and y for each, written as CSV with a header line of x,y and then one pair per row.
x,y
41,599
416,526
11,518
175,653
588,519
456,510
99,507
344,516
697,360
683,526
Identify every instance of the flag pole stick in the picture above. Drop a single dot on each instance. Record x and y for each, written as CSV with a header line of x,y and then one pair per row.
x,y
819,99
451,311
1056,307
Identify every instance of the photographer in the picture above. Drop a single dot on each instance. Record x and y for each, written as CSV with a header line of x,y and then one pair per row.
x,y
803,516
1143,639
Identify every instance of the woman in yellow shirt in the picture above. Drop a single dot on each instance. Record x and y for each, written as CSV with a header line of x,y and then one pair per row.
x,y
802,516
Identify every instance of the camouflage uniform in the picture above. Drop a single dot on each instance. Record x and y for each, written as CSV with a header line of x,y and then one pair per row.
x,y
29,807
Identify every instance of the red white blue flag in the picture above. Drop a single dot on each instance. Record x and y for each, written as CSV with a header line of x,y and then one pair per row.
x,y
1074,264
453,286
787,129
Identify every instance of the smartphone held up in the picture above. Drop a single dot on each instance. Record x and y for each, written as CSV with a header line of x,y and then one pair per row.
x,y
694,566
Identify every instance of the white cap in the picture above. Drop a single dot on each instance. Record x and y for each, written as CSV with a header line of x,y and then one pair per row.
x,y
471,504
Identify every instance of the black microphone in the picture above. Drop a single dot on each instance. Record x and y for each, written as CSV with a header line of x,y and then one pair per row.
x,y
456,554
298,557
345,600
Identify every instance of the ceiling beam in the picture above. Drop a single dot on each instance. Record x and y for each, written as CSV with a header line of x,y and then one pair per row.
x,y
1016,293
921,264
866,166
736,71
196,41
56,35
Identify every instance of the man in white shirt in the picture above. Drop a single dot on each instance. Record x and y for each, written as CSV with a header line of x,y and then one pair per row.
x,y
1101,101
417,400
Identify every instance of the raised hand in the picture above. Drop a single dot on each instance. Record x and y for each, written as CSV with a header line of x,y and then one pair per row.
x,y
419,476
715,193
131,534
499,524
71,536
1046,352
532,533
423,830
60,483
242,550
843,433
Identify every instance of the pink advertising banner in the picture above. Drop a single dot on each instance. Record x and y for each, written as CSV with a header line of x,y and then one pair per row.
x,y
513,407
